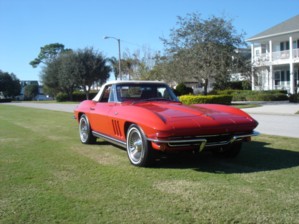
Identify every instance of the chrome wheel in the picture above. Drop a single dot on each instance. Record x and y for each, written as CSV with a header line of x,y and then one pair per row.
x,y
139,152
86,136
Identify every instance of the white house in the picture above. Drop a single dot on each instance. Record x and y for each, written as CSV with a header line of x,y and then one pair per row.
x,y
275,55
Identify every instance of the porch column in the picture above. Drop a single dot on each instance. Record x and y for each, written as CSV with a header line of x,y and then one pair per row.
x,y
271,77
270,50
252,54
292,83
252,75
291,47
270,67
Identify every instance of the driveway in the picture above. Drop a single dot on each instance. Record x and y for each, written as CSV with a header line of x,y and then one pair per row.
x,y
277,119
274,119
48,106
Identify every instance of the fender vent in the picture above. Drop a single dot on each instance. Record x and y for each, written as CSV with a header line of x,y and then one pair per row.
x,y
116,128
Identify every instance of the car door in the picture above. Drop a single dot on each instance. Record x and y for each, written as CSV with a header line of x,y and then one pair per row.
x,y
100,118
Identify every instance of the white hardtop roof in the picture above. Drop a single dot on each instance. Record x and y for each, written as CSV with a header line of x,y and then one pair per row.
x,y
97,97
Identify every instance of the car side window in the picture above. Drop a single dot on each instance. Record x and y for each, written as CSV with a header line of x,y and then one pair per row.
x,y
106,94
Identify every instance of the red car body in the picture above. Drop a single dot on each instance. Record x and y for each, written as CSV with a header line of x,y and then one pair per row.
x,y
145,116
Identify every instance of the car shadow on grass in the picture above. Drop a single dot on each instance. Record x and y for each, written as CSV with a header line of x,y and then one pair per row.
x,y
254,157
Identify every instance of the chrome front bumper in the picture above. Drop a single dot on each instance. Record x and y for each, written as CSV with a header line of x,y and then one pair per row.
x,y
203,141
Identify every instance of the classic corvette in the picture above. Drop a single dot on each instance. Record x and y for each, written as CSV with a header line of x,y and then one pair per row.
x,y
146,117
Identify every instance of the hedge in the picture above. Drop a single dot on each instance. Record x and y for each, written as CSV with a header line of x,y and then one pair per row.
x,y
5,100
77,96
249,95
214,99
294,98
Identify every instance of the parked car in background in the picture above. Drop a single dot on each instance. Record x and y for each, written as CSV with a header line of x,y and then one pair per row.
x,y
146,117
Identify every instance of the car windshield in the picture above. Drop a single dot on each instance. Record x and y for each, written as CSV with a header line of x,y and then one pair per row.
x,y
144,92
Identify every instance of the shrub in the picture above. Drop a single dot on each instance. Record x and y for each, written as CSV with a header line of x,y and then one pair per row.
x,y
77,96
249,95
80,96
266,96
215,99
182,89
6,100
294,98
62,97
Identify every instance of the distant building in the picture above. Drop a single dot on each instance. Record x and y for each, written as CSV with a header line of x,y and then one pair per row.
x,y
39,96
275,54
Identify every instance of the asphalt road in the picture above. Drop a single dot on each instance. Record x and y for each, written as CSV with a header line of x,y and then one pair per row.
x,y
274,119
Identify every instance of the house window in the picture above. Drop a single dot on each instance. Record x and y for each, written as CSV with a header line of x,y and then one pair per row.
x,y
264,48
288,76
284,46
257,52
296,77
277,78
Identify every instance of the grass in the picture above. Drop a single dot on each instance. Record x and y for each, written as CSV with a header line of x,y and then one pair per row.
x,y
245,105
48,176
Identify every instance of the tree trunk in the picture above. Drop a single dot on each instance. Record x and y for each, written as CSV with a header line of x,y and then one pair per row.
x,y
87,90
205,90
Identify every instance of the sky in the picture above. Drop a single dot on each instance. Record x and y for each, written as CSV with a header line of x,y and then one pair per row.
x,y
27,25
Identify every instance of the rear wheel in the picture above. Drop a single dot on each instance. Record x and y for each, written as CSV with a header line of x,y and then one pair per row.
x,y
229,151
85,133
139,151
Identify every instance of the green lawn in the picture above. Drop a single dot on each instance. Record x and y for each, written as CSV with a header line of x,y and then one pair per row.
x,y
48,176
245,105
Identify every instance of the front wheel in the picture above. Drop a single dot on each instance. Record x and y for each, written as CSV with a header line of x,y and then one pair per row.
x,y
139,151
86,136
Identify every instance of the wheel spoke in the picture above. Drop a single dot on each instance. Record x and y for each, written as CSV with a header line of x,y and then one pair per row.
x,y
135,146
135,155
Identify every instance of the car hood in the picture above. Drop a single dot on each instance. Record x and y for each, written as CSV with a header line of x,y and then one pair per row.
x,y
207,118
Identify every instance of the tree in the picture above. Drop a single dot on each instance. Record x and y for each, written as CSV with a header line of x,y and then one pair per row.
x,y
68,73
73,70
114,65
48,53
202,49
91,69
50,77
61,74
163,67
139,64
9,84
30,91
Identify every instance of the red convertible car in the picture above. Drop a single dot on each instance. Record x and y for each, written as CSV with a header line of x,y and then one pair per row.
x,y
145,117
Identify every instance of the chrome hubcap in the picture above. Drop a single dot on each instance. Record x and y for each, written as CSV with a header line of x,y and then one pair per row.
x,y
83,128
135,146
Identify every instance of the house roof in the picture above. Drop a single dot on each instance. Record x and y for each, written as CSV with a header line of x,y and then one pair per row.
x,y
289,26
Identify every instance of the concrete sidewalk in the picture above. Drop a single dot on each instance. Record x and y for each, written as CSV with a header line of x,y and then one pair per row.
x,y
278,108
278,118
